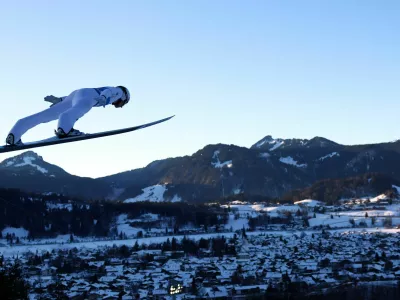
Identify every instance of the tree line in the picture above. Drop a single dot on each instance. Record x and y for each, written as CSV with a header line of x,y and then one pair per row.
x,y
52,215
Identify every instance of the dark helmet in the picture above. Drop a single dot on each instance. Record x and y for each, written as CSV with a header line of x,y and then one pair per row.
x,y
126,93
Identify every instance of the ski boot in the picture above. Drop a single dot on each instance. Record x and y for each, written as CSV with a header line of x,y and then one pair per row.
x,y
60,133
10,141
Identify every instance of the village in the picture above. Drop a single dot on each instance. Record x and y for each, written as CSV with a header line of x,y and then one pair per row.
x,y
340,246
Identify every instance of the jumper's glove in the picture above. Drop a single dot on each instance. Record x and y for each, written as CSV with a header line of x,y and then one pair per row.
x,y
101,100
52,99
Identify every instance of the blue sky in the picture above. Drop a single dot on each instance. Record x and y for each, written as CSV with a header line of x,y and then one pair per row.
x,y
231,71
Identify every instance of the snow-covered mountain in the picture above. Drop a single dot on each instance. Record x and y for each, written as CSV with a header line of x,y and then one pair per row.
x,y
31,163
268,169
268,143
28,171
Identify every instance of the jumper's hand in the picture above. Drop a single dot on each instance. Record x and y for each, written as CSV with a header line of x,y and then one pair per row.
x,y
101,100
52,99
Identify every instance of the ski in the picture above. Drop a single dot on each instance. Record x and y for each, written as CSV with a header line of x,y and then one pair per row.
x,y
85,136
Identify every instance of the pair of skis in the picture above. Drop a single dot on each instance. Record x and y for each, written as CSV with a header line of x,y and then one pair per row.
x,y
86,136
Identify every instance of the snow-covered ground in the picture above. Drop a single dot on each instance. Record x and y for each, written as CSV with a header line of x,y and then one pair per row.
x,y
325,219
67,206
18,232
154,193
14,250
328,156
333,219
253,210
236,224
309,203
238,219
290,161
391,210
276,145
361,200
127,226
218,163
265,155
123,225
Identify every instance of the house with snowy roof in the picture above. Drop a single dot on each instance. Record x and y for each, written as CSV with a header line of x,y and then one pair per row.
x,y
214,292
172,266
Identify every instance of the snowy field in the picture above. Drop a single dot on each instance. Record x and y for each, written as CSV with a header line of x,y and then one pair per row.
x,y
129,228
253,210
238,219
9,251
333,219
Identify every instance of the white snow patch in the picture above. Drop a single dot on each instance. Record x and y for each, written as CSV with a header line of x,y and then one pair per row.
x,y
218,164
377,198
19,232
277,145
10,163
371,213
59,206
176,198
121,219
131,232
153,193
28,161
255,209
261,143
123,225
265,155
290,161
237,191
329,156
309,202
237,224
238,202
227,163
325,219
275,142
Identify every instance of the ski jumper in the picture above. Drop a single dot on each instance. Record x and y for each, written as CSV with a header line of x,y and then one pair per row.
x,y
69,110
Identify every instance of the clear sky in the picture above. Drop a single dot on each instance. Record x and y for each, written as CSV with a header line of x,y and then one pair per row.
x,y
231,71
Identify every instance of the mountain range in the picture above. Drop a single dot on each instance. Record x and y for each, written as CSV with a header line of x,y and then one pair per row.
x,y
270,169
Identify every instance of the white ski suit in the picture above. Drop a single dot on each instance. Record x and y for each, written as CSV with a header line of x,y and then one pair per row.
x,y
69,110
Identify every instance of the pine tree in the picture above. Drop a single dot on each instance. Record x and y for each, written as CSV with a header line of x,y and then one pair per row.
x,y
136,246
244,235
193,288
377,257
173,244
12,283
